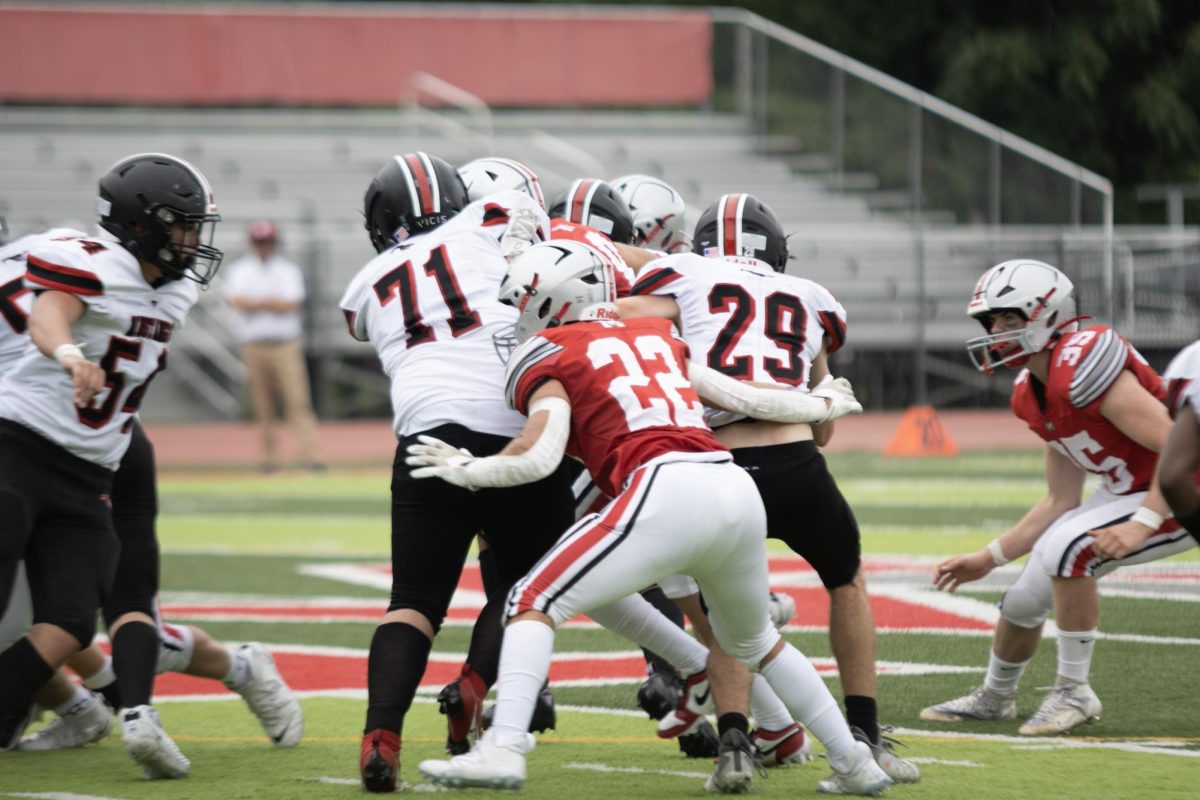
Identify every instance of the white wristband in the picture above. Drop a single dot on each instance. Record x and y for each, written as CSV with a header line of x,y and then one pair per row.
x,y
69,350
997,553
1148,517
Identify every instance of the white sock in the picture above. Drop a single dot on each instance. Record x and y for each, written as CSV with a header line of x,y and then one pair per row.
x,y
524,665
103,677
768,710
81,698
1003,676
635,618
806,696
239,669
1075,654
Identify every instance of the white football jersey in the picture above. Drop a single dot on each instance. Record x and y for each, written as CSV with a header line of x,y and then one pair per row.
x,y
126,327
16,300
1182,377
746,320
430,307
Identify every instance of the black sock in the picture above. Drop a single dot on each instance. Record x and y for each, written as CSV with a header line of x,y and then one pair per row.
x,y
111,695
484,652
671,611
861,713
1191,523
494,586
24,673
135,660
732,721
399,654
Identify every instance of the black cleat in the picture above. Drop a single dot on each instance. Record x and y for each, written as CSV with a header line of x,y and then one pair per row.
x,y
659,694
700,743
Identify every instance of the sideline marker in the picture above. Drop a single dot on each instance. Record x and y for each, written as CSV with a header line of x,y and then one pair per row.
x,y
921,434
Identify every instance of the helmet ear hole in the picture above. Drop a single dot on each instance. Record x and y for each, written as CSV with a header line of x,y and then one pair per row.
x,y
544,309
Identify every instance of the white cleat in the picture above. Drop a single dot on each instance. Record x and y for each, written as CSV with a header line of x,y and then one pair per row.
x,y
89,721
791,745
981,704
864,776
270,699
487,764
688,714
149,745
896,768
1066,707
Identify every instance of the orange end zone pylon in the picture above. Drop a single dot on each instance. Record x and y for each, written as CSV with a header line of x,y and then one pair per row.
x,y
921,434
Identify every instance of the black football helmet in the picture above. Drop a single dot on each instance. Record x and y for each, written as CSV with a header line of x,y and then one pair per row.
x,y
162,210
741,225
413,193
593,202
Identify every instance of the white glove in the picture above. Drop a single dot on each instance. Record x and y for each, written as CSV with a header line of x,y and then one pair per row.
x,y
840,395
436,459
781,607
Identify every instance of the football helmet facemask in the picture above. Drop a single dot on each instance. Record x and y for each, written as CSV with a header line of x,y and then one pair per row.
x,y
413,193
1040,293
658,213
553,283
487,176
741,225
592,202
161,209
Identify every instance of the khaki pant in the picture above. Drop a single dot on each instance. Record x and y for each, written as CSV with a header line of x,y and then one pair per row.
x,y
277,369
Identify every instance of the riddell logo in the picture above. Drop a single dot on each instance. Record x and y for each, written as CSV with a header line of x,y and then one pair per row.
x,y
607,313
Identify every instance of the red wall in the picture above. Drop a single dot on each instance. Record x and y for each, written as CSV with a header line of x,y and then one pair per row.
x,y
320,56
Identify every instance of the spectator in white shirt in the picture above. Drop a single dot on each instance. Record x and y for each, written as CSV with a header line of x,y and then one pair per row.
x,y
268,291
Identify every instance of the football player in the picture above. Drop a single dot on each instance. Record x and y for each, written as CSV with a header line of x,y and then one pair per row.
x,y
66,420
1100,409
658,212
1180,460
428,304
750,321
622,396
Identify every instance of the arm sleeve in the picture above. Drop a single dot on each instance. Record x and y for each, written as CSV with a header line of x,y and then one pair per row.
x,y
538,461
773,405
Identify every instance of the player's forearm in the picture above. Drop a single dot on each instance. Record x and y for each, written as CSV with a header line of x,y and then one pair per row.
x,y
526,459
51,320
1020,539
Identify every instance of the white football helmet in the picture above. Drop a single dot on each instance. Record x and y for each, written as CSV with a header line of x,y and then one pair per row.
x,y
658,213
485,176
553,283
1039,292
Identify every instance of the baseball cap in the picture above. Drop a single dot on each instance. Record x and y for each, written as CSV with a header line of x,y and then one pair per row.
x,y
263,231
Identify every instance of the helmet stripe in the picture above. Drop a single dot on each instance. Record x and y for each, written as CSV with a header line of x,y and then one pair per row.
x,y
580,200
420,179
413,200
731,224
435,186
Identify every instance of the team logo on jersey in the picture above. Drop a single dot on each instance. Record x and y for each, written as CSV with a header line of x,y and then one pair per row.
x,y
505,341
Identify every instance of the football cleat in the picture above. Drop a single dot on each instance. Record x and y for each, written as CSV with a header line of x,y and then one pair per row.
x,y
270,699
379,760
899,770
461,701
689,711
702,742
1066,707
488,764
778,748
544,716
981,704
736,765
149,745
659,693
863,777
782,608
89,721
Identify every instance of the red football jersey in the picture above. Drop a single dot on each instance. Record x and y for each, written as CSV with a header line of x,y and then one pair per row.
x,y
565,229
630,397
1083,367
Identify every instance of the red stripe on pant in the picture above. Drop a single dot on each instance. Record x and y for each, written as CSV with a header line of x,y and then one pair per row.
x,y
554,569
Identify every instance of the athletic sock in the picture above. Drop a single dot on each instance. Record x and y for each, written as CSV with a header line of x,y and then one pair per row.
x,y
768,710
733,721
798,685
135,660
24,673
658,598
1075,654
239,673
1003,676
80,698
524,664
104,683
862,712
398,657
483,654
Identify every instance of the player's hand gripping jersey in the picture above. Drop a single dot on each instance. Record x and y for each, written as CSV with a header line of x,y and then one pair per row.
x,y
744,319
1065,413
126,327
630,398
429,307
16,301
578,232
